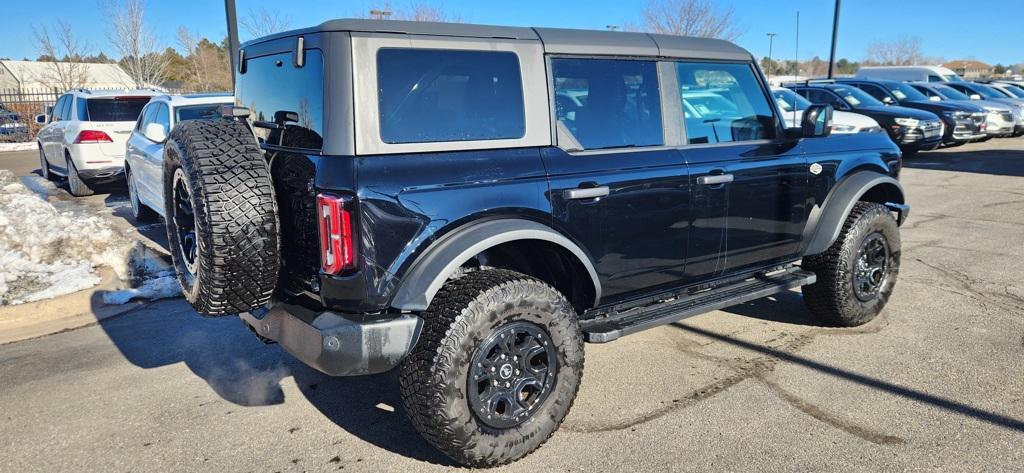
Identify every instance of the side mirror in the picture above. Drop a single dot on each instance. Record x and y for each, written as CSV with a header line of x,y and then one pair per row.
x,y
155,132
40,119
888,100
975,97
935,98
817,121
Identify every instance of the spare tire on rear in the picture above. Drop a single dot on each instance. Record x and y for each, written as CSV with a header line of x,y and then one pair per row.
x,y
222,225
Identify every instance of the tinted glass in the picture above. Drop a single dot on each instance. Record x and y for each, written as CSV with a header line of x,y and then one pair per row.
x,y
438,95
789,100
951,93
874,91
855,97
81,111
58,108
163,117
1014,90
989,92
147,117
272,86
906,92
197,112
608,103
724,102
116,109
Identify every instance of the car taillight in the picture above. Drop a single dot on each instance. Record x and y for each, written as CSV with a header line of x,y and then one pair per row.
x,y
92,136
337,245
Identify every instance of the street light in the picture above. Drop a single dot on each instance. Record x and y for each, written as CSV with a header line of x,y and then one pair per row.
x,y
771,42
380,14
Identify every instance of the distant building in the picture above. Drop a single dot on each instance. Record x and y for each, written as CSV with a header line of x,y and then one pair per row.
x,y
969,69
27,75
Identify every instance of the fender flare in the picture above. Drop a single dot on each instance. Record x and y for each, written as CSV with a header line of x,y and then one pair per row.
x,y
826,222
444,257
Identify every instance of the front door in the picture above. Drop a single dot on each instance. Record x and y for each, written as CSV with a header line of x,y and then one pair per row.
x,y
749,183
614,187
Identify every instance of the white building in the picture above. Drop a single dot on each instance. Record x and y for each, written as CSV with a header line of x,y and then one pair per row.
x,y
28,75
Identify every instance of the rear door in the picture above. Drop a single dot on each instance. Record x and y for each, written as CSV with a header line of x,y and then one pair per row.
x,y
616,188
749,182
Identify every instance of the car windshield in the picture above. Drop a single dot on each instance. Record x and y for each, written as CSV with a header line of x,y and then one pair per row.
x,y
1014,90
709,105
987,92
115,109
789,100
906,92
856,98
950,93
198,112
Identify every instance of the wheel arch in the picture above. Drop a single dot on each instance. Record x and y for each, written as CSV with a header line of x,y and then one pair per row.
x,y
826,222
518,244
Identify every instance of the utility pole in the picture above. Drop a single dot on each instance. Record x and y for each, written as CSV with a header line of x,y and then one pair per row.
x,y
835,33
229,10
771,41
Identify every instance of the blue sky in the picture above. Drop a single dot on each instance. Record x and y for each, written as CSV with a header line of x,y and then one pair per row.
x,y
953,29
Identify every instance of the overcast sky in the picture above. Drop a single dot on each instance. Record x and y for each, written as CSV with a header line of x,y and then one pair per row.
x,y
951,29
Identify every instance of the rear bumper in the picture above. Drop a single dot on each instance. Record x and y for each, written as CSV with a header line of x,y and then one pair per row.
x,y
101,175
338,344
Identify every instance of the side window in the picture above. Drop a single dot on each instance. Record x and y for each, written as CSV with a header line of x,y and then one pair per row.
x,y
65,111
608,103
146,117
163,117
435,95
873,91
58,109
934,79
723,103
81,110
823,97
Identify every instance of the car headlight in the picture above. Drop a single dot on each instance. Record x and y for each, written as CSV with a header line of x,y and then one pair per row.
x,y
844,128
908,122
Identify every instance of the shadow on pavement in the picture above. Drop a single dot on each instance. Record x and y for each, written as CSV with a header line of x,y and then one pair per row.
x,y
874,383
246,372
1007,162
786,307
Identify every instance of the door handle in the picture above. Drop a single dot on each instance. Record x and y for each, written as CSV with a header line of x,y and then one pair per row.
x,y
585,193
715,179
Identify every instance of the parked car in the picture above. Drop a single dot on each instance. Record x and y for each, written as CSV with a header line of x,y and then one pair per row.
x,y
1009,88
418,202
792,106
913,130
1000,121
978,91
909,73
85,135
11,124
144,151
964,122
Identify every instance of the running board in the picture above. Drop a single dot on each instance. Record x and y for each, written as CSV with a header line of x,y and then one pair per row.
x,y
607,328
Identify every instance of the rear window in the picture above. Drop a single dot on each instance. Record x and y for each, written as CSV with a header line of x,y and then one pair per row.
x,y
198,112
272,88
115,109
449,95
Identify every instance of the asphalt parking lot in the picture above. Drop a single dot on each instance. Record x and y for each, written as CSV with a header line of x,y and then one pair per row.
x,y
935,383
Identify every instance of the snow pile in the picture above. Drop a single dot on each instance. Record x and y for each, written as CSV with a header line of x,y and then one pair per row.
x,y
52,249
26,146
151,278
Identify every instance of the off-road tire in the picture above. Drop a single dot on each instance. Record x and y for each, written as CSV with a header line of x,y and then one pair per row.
x,y
236,223
76,185
140,212
833,298
463,314
44,166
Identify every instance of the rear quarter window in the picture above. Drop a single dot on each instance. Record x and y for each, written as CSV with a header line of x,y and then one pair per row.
x,y
272,86
428,95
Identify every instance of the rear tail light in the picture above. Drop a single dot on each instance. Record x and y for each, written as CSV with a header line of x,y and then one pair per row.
x,y
92,136
337,244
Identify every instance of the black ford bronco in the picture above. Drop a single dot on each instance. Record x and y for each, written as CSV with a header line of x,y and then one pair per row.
x,y
470,204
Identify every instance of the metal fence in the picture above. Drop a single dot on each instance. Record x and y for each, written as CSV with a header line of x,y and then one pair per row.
x,y
19,107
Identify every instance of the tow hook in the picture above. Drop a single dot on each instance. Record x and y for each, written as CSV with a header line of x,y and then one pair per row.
x,y
902,211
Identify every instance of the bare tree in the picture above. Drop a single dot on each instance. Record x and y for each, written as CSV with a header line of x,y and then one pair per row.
x,y
65,71
208,67
698,18
903,51
141,57
259,23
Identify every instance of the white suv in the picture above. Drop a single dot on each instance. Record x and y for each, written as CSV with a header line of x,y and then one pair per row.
x,y
144,152
85,134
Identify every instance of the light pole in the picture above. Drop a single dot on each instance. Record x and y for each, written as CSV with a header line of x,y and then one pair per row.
x,y
380,14
771,42
835,32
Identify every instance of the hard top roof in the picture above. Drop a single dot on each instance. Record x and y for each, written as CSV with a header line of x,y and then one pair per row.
x,y
554,40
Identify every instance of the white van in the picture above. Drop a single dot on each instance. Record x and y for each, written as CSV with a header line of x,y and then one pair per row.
x,y
910,73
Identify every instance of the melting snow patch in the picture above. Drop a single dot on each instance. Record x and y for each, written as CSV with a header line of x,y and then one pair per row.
x,y
152,277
